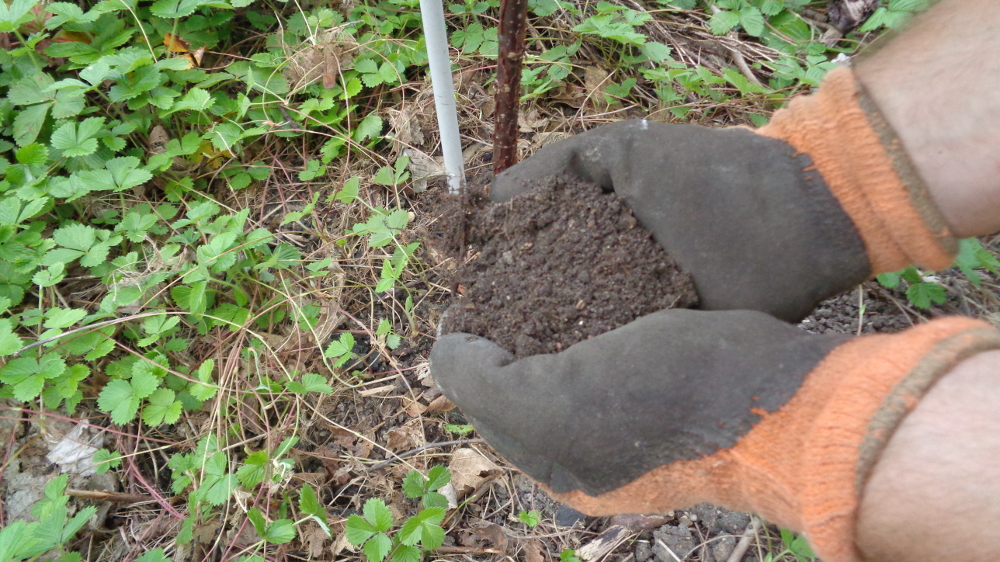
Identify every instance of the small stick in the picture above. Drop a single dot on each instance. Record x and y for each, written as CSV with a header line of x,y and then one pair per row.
x,y
109,496
745,540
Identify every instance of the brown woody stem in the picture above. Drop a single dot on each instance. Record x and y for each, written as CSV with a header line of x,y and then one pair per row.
x,y
513,24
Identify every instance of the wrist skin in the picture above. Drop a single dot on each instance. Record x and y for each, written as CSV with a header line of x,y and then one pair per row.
x,y
934,493
937,85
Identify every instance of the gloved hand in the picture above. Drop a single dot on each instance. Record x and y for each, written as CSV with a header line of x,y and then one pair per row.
x,y
774,220
681,406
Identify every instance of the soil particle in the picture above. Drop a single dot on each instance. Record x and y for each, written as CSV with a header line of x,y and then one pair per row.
x,y
558,265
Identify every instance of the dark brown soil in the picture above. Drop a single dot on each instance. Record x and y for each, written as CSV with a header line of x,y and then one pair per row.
x,y
560,264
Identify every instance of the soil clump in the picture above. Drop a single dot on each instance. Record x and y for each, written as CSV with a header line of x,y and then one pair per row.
x,y
557,265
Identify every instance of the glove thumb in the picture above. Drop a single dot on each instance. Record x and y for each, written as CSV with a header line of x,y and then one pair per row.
x,y
458,361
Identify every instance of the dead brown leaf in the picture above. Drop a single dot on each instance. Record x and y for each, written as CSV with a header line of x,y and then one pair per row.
x,y
533,551
405,437
315,540
469,468
441,404
485,535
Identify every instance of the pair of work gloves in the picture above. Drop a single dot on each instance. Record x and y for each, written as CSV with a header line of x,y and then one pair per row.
x,y
731,404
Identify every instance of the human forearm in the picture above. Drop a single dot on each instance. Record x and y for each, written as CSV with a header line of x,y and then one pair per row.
x,y
933,495
938,85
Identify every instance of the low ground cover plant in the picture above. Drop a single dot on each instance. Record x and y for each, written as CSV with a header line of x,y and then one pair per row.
x,y
208,230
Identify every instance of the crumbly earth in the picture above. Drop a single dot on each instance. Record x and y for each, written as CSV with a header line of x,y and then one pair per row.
x,y
525,289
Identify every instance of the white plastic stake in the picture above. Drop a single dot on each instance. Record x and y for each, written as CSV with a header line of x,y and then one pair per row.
x,y
432,13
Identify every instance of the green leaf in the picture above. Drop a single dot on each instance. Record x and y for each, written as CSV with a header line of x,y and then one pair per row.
x,y
723,21
257,520
424,528
413,484
49,276
63,317
889,280
32,155
10,343
406,553
312,382
358,530
530,518
106,460
341,347
162,408
459,429
349,192
434,499
438,477
126,172
155,555
175,8
29,122
16,14
144,381
308,502
921,294
77,141
752,21
142,80
972,255
196,99
221,490
370,127
655,52
118,399
377,548
378,514
204,390
76,523
568,555
280,531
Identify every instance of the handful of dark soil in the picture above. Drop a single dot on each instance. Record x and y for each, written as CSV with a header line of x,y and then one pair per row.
x,y
558,265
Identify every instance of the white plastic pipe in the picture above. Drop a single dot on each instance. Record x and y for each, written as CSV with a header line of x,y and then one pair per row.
x,y
432,13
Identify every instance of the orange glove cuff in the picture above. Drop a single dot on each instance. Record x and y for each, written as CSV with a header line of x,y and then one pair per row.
x,y
805,465
866,167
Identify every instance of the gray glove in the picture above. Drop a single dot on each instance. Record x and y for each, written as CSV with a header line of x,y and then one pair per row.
x,y
739,211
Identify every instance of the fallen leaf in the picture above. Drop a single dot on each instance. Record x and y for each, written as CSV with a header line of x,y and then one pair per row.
x,y
158,139
441,404
314,539
423,168
415,409
533,551
467,467
175,44
485,535
594,80
74,453
405,437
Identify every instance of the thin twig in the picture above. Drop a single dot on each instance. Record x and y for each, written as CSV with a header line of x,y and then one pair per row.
x,y
412,452
745,540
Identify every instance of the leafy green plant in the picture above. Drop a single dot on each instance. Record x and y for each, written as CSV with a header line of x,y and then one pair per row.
x,y
419,534
24,541
894,15
619,24
530,518
568,555
795,545
923,288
